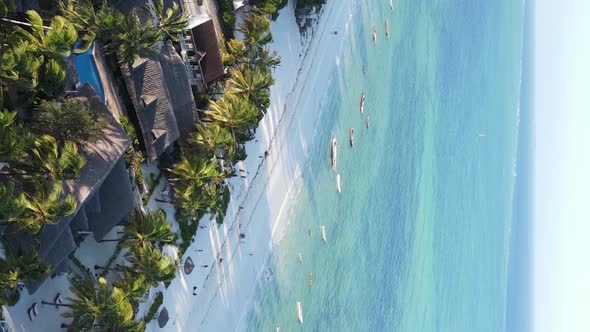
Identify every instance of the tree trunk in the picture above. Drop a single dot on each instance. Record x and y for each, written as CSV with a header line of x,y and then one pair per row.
x,y
96,267
58,304
110,240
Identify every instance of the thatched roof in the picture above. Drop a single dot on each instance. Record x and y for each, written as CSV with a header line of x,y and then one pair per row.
x,y
206,41
147,89
56,241
116,202
102,155
179,88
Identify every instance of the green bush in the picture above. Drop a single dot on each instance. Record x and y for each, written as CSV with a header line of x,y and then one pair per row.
x,y
228,21
227,17
154,307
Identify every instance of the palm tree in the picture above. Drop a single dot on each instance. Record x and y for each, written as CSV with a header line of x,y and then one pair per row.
x,y
85,20
236,114
170,22
55,42
209,138
193,201
132,39
98,307
236,53
44,206
52,78
254,85
266,59
146,229
22,267
12,206
14,139
256,30
134,285
68,119
19,69
151,263
196,172
59,164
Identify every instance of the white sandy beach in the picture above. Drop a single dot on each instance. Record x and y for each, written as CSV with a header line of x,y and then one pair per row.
x,y
225,289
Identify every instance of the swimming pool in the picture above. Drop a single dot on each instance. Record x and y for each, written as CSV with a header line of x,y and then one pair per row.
x,y
87,71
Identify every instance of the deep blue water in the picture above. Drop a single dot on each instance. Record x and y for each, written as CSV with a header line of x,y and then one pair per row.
x,y
87,72
430,232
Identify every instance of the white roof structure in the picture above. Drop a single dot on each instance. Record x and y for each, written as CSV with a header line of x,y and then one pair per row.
x,y
239,4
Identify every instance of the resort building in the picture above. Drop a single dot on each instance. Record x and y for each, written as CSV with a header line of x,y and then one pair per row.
x,y
200,51
159,93
102,192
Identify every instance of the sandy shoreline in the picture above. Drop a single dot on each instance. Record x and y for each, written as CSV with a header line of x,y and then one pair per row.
x,y
227,268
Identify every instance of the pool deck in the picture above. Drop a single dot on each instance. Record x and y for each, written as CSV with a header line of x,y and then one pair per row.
x,y
111,97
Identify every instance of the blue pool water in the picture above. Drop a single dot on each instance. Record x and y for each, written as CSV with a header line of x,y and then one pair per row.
x,y
87,72
431,230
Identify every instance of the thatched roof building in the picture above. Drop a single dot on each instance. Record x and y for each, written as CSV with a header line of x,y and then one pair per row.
x,y
179,87
102,192
202,35
148,92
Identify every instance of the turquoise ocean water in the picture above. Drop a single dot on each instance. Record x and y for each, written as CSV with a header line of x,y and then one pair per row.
x,y
430,232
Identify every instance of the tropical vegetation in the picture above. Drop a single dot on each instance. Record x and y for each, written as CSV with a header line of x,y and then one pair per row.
x,y
22,267
68,120
41,133
127,36
96,305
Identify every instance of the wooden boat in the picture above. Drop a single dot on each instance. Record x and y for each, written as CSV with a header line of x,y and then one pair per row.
x,y
299,312
334,146
362,102
310,278
351,135
374,35
367,121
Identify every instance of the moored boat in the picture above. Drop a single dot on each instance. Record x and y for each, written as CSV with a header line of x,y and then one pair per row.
x,y
362,102
334,146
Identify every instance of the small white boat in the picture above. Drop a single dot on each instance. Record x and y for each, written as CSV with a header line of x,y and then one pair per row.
x,y
362,102
300,258
334,146
351,135
391,4
482,135
299,312
374,35
338,184
323,229
387,27
367,121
